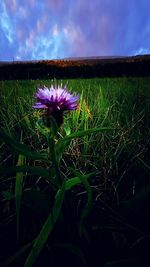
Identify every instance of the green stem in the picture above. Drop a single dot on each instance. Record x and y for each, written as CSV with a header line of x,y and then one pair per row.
x,y
52,154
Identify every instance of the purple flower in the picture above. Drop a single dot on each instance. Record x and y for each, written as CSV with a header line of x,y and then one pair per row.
x,y
55,101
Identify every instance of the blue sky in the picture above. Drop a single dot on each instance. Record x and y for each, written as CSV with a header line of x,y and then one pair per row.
x,y
55,29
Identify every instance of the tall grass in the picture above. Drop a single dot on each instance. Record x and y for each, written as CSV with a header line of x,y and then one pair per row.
x,y
121,103
119,159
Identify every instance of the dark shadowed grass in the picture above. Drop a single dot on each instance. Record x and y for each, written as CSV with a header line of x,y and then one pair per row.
x,y
119,160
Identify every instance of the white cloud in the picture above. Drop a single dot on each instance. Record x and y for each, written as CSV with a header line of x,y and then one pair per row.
x,y
6,25
23,12
141,51
75,40
55,30
30,41
72,32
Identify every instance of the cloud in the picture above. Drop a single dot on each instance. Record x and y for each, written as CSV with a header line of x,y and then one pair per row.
x,y
141,51
55,30
34,29
75,39
6,25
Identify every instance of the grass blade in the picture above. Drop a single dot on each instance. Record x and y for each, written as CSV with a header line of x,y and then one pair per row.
x,y
143,163
88,206
18,148
77,180
47,228
18,191
29,169
86,132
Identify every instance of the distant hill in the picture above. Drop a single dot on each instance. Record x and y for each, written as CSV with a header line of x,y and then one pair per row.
x,y
94,57
80,67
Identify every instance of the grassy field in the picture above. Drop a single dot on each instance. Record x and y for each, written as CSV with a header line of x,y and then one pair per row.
x,y
102,219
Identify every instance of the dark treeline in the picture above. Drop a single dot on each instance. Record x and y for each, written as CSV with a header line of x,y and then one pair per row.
x,y
74,68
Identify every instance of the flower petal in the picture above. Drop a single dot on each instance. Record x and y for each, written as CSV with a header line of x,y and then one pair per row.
x,y
55,98
39,105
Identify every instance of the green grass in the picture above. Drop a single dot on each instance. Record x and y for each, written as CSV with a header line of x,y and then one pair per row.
x,y
120,103
119,159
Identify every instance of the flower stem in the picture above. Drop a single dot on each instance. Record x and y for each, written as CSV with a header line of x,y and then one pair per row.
x,y
52,152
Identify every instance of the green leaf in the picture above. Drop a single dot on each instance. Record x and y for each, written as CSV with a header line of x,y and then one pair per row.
x,y
87,186
86,132
47,228
29,169
77,180
18,148
67,129
18,191
88,206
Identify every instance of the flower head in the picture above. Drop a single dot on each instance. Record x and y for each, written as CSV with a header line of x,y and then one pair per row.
x,y
55,101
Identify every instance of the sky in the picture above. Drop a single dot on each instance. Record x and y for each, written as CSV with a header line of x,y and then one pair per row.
x,y
55,29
